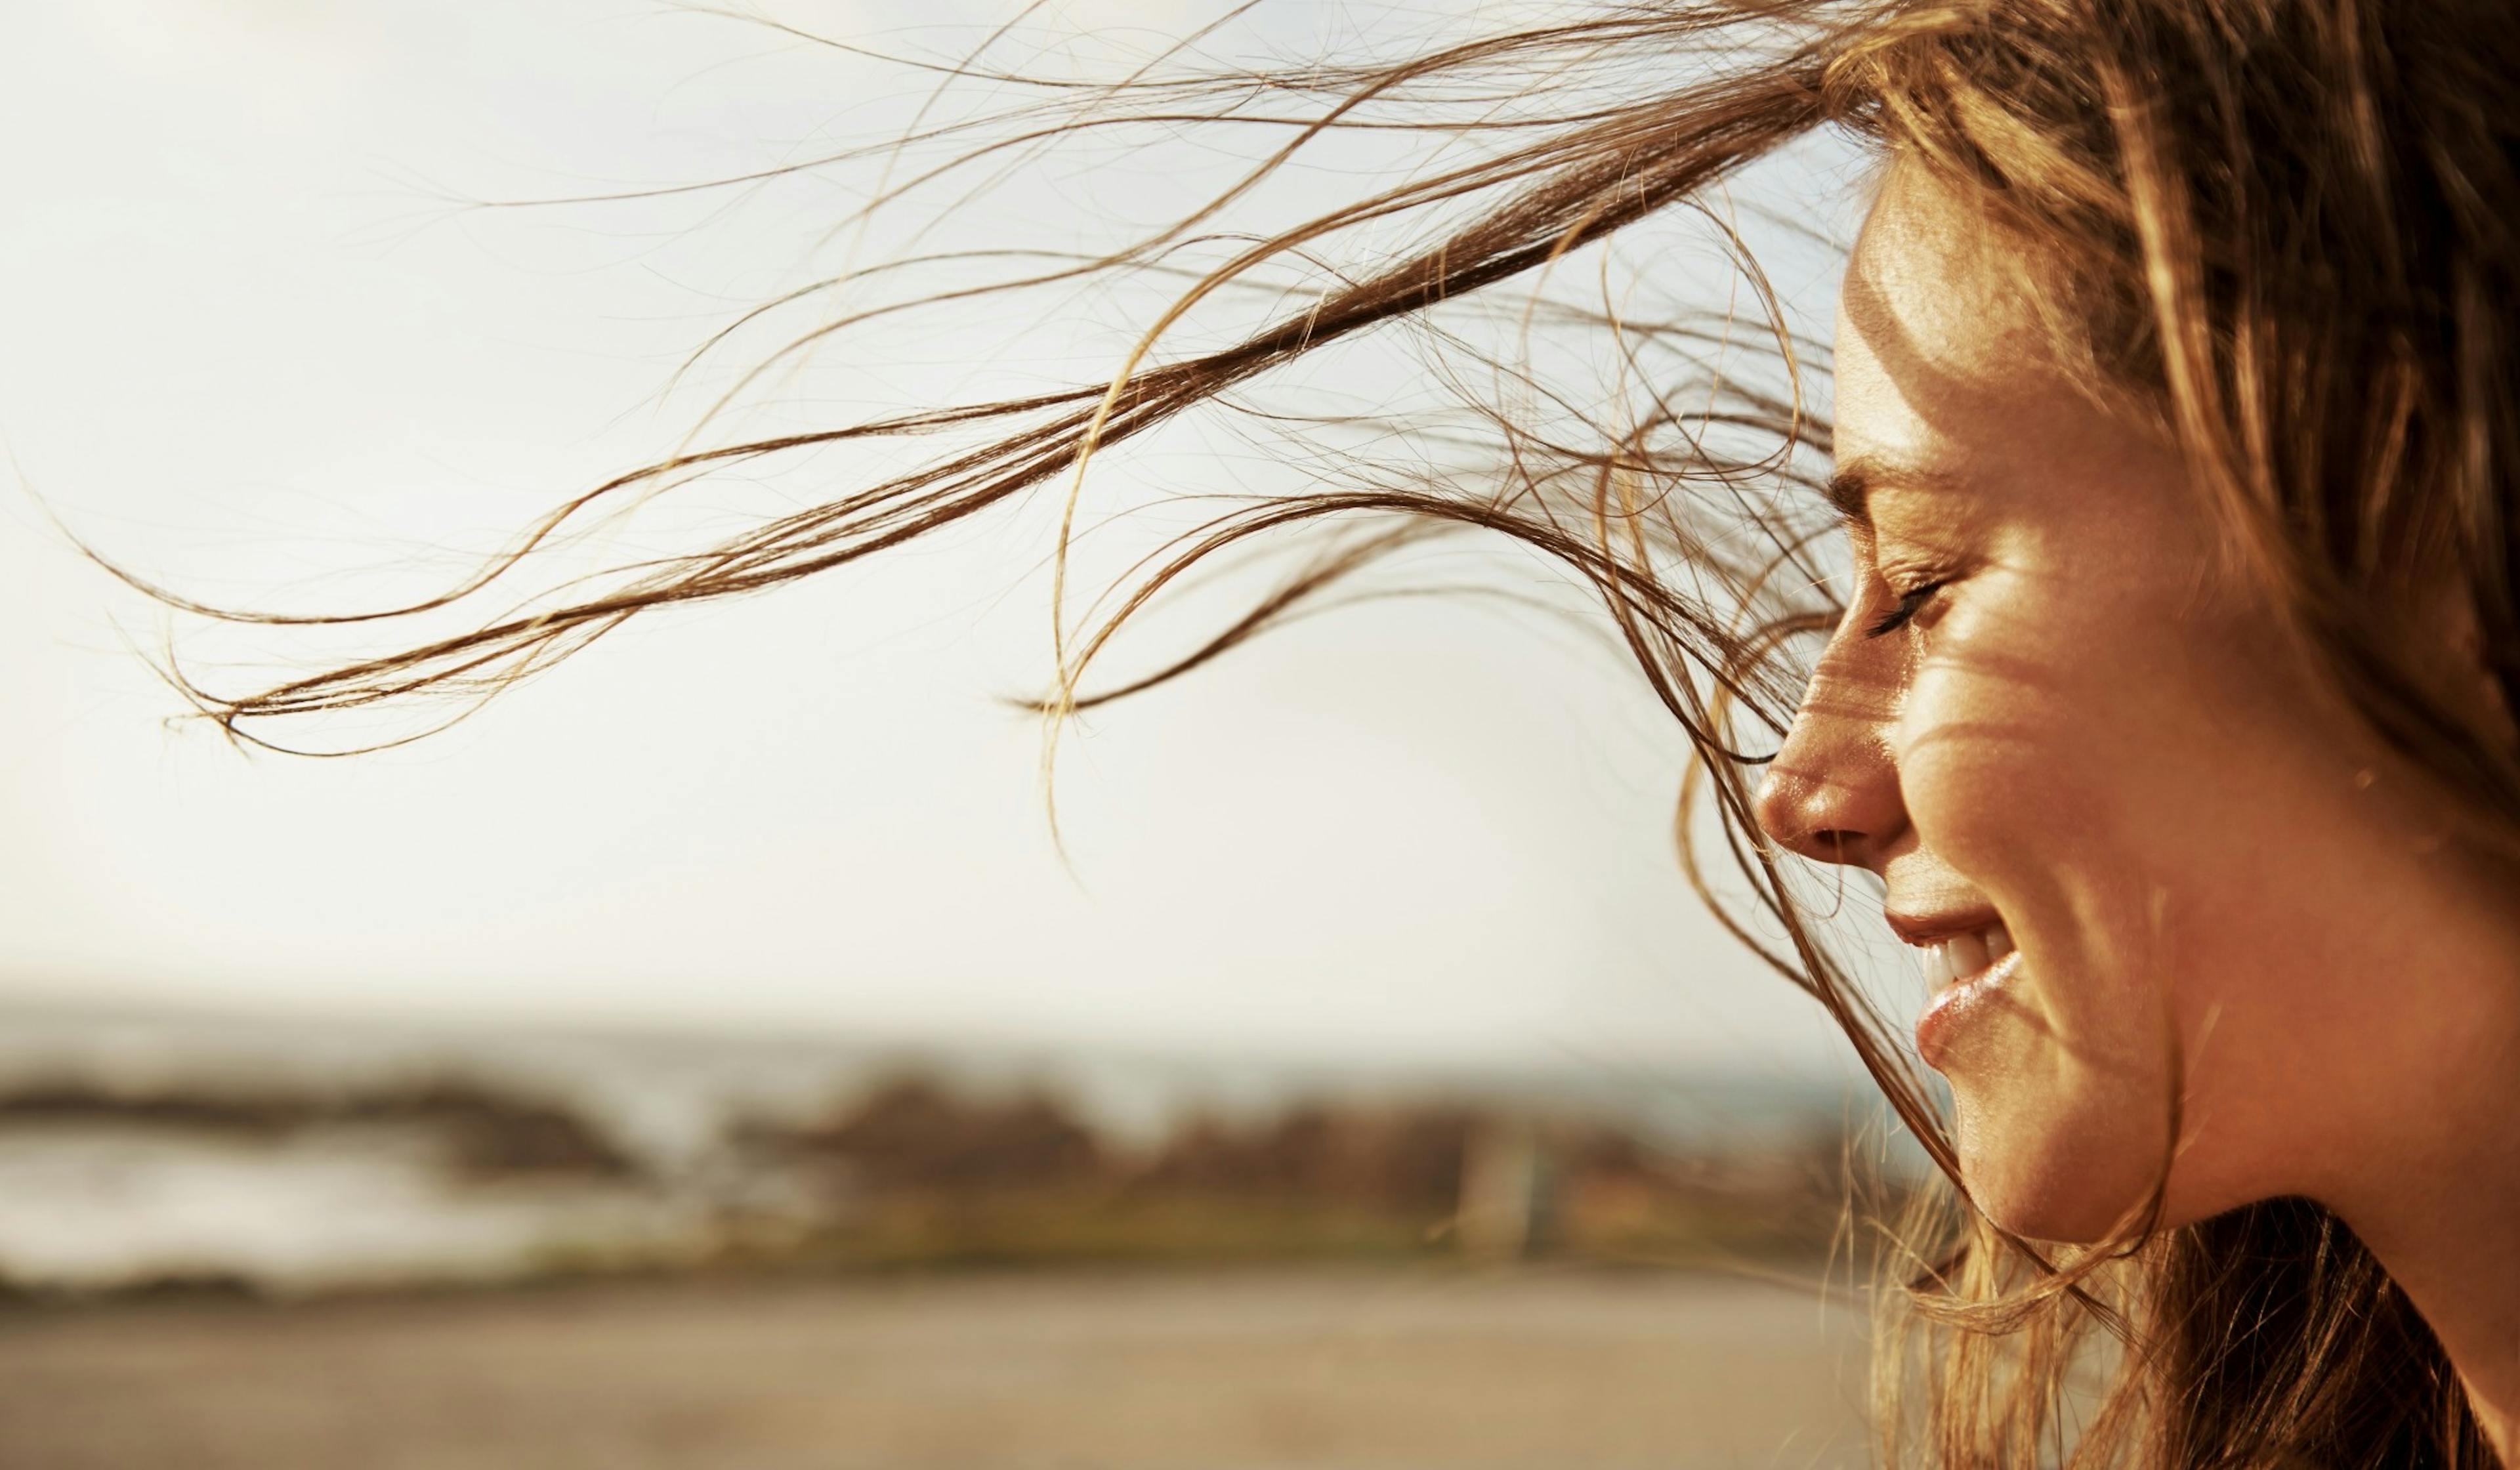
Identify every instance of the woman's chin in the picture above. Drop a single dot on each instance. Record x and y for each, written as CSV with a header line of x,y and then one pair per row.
x,y
2049,1184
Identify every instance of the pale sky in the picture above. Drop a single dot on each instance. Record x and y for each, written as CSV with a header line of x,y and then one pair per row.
x,y
239,346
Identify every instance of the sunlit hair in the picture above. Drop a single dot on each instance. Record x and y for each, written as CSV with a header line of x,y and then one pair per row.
x,y
2280,230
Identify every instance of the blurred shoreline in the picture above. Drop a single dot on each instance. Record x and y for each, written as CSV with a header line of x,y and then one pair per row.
x,y
147,1153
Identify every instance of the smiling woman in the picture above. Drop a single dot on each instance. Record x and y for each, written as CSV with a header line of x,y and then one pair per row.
x,y
2169,698
2100,785
2033,748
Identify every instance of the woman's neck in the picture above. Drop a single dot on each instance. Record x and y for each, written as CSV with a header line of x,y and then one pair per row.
x,y
2438,1202
2458,1259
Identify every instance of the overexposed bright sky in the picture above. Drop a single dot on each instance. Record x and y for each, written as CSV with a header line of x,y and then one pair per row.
x,y
243,347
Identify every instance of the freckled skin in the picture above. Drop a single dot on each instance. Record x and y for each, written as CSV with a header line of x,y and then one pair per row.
x,y
2098,733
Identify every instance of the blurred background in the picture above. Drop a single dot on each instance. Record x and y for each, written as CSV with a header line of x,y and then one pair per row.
x,y
707,1057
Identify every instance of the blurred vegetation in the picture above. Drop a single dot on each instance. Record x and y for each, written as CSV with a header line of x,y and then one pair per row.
x,y
920,1178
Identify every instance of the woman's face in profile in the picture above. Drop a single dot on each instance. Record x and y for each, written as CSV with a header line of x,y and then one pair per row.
x,y
2124,829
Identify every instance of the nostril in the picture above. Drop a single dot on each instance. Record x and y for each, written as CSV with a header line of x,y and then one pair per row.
x,y
1831,844
1788,808
1831,794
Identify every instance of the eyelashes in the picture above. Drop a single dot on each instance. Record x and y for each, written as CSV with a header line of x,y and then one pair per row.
x,y
1910,604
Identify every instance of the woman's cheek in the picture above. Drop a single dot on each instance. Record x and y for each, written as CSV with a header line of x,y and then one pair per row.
x,y
2012,778
1990,755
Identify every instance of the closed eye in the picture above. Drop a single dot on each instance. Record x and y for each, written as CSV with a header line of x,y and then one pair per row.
x,y
1910,604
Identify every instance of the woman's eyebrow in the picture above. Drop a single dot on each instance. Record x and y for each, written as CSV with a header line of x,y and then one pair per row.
x,y
1849,488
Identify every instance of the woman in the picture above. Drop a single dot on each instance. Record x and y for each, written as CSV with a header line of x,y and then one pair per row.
x,y
2176,434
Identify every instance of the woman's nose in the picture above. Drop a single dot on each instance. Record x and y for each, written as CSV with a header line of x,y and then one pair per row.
x,y
1831,794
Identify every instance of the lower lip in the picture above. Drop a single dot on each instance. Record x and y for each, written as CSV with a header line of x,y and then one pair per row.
x,y
1954,1007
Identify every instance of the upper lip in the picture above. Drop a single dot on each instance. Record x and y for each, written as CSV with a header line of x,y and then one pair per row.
x,y
1928,928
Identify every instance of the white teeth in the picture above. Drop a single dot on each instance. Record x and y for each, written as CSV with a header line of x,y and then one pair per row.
x,y
1960,955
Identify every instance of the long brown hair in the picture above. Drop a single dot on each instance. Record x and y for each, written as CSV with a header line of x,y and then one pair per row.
x,y
2280,230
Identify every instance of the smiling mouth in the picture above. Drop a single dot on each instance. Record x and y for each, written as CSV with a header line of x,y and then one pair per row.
x,y
1955,958
1963,972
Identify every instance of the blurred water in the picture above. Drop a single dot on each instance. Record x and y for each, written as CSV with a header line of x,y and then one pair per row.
x,y
88,1208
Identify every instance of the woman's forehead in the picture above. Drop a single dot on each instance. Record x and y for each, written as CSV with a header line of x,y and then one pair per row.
x,y
1944,367
1933,291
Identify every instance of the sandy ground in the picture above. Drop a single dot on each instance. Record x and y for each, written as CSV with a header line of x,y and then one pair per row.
x,y
1261,1372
